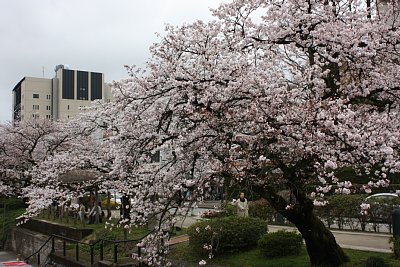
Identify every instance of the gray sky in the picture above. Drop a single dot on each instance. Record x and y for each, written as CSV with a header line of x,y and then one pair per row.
x,y
94,35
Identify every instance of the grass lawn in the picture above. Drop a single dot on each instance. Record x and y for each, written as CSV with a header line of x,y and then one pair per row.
x,y
252,258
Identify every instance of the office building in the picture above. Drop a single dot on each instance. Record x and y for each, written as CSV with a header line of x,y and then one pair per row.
x,y
59,98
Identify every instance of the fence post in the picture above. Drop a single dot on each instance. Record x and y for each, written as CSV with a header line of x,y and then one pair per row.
x,y
91,255
52,245
101,250
115,253
64,248
139,253
77,251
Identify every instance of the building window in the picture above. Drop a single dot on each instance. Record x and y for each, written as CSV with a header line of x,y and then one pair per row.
x,y
35,116
35,95
48,116
96,85
82,84
48,108
68,79
68,107
48,97
35,107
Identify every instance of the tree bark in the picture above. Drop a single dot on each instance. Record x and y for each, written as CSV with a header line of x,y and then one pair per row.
x,y
320,242
109,204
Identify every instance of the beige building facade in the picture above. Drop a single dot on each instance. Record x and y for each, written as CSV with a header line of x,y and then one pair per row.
x,y
59,98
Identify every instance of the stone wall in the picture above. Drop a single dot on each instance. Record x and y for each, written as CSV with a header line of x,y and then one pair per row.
x,y
48,228
25,242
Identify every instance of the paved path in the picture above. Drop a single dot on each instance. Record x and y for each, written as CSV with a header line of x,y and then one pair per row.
x,y
377,242
354,240
7,256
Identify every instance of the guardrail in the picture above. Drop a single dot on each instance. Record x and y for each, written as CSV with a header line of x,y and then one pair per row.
x,y
77,243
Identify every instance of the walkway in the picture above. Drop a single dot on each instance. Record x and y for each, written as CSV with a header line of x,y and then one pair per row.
x,y
354,240
7,256
366,241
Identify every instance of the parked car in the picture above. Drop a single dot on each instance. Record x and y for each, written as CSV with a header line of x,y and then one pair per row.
x,y
383,196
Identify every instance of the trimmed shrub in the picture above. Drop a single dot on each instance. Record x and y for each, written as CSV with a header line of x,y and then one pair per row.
x,y
230,210
280,244
376,262
342,209
262,209
225,234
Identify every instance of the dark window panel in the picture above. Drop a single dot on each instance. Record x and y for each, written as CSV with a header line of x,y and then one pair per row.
x,y
82,85
68,84
17,95
96,86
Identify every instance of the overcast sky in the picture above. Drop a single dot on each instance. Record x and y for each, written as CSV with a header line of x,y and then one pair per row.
x,y
94,35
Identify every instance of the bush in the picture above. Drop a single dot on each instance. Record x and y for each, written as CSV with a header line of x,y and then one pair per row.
x,y
12,203
396,246
262,209
113,204
376,262
342,209
280,244
230,210
226,234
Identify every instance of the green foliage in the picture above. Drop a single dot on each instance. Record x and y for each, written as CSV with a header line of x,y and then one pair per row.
x,y
253,258
262,209
226,234
341,209
113,205
11,208
376,262
396,246
12,203
280,244
230,210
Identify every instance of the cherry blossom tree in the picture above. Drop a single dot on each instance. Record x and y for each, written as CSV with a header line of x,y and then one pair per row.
x,y
24,146
272,94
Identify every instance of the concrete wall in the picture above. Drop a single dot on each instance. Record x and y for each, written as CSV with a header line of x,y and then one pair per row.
x,y
32,86
25,242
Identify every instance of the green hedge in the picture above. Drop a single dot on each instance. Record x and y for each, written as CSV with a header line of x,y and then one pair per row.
x,y
280,244
262,209
343,209
226,234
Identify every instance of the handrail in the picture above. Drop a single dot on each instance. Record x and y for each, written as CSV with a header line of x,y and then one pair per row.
x,y
38,251
77,242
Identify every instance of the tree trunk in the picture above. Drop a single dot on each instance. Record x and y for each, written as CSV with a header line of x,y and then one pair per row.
x,y
108,204
320,242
